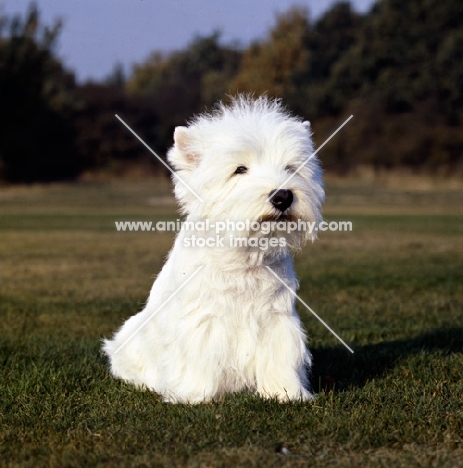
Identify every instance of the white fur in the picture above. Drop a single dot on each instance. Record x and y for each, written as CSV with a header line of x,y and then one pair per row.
x,y
233,327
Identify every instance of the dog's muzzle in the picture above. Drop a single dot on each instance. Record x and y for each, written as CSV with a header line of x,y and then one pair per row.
x,y
281,199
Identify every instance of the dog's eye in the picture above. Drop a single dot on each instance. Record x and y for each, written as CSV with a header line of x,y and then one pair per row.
x,y
241,170
290,168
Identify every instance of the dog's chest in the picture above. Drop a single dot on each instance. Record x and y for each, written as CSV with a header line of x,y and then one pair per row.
x,y
247,296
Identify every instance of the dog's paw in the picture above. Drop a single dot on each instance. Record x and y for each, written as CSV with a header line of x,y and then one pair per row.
x,y
284,396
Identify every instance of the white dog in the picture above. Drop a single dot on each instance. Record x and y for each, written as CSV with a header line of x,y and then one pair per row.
x,y
221,315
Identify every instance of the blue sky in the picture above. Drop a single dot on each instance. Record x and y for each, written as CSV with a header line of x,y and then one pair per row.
x,y
99,33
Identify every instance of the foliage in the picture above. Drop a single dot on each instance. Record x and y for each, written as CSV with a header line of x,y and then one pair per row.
x,y
36,135
328,40
102,141
194,77
397,69
267,67
399,56
183,83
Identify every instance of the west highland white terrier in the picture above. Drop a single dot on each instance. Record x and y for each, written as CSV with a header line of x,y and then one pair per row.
x,y
221,317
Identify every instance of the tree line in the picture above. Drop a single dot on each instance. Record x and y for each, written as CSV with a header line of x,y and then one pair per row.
x,y
397,68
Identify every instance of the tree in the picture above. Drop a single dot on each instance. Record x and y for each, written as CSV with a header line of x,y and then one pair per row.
x,y
331,36
400,54
103,142
116,78
36,135
188,72
185,82
267,67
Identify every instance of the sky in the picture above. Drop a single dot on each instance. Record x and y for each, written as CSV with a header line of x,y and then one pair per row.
x,y
97,34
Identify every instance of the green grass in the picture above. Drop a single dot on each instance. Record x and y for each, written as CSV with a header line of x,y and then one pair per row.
x,y
392,289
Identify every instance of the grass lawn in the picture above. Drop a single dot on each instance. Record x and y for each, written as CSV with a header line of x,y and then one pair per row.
x,y
392,289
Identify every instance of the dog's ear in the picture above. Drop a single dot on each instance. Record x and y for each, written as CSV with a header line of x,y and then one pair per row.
x,y
184,155
307,125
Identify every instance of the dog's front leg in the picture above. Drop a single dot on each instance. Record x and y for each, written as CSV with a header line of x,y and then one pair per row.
x,y
282,360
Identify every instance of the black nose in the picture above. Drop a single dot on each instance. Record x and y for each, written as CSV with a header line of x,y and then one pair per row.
x,y
281,199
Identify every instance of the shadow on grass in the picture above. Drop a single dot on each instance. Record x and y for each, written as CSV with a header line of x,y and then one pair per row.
x,y
336,369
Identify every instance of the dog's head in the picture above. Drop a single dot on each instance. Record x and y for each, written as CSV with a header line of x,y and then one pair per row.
x,y
249,161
